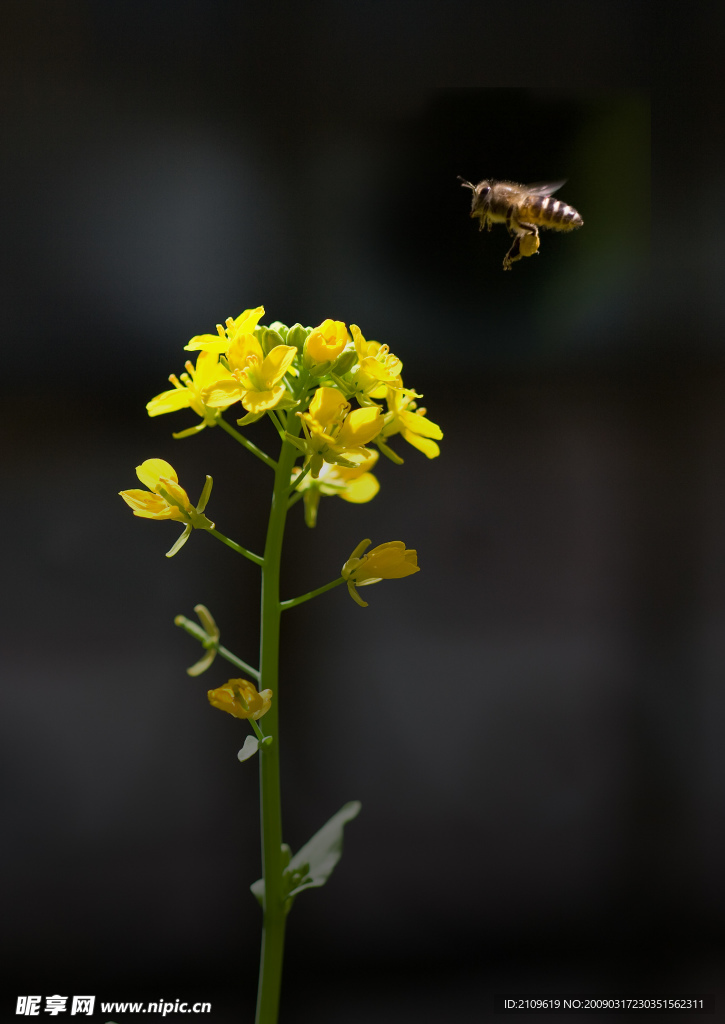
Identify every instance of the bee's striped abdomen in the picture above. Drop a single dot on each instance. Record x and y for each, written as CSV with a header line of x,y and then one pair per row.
x,y
550,213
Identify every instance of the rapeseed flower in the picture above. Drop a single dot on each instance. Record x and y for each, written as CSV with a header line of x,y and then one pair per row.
x,y
244,324
356,485
335,435
403,417
165,499
325,343
255,379
377,369
240,698
189,391
390,561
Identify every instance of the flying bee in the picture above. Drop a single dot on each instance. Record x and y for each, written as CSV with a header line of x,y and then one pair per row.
x,y
523,209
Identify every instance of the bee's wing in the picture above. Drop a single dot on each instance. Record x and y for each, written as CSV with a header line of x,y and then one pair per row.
x,y
545,188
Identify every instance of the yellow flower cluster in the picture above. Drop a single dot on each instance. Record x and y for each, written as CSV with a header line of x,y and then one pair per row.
x,y
316,374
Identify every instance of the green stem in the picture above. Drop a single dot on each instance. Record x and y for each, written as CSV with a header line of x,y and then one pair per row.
x,y
247,444
237,547
270,969
294,601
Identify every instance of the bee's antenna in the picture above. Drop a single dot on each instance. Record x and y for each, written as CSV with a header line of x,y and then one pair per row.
x,y
467,184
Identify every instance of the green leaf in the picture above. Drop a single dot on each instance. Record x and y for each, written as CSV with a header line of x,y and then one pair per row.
x,y
324,850
249,749
313,863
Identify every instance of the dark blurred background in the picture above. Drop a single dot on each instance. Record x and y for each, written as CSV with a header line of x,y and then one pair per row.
x,y
534,722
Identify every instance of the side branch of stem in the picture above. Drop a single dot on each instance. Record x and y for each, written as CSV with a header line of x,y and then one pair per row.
x,y
247,443
234,660
299,478
294,601
237,547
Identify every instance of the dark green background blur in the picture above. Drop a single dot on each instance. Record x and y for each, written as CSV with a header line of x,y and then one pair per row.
x,y
534,723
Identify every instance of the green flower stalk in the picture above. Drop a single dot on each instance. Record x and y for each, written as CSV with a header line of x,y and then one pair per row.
x,y
305,381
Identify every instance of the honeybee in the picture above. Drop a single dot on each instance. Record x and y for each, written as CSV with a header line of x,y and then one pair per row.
x,y
523,209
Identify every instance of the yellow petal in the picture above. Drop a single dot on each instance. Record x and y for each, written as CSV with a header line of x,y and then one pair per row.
x,y
151,471
361,426
148,505
327,341
208,370
361,346
207,343
423,444
246,322
222,394
418,424
168,401
261,401
327,406
175,492
266,702
388,561
385,371
399,569
144,501
362,489
224,699
242,348
277,363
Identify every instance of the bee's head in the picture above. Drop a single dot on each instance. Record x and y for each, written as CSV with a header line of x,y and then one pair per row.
x,y
480,194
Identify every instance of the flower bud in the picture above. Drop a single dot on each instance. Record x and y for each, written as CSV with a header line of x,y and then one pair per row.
x,y
325,343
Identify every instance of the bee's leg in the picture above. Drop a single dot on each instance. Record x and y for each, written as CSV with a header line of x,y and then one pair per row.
x,y
510,222
513,254
529,239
